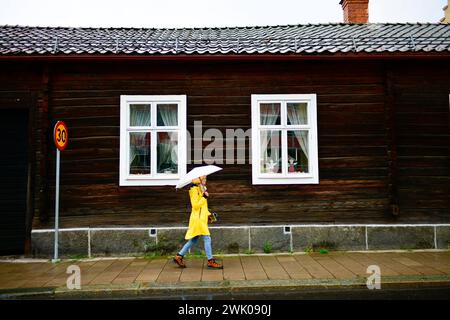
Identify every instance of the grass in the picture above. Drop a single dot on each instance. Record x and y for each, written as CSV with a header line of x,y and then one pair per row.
x,y
77,257
154,255
159,255
321,249
196,255
164,247
267,248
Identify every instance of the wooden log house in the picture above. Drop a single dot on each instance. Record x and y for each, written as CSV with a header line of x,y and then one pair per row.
x,y
378,95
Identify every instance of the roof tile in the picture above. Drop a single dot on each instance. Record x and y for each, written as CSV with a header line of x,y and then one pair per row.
x,y
288,39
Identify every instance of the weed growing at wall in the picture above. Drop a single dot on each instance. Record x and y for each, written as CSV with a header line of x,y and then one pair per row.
x,y
267,248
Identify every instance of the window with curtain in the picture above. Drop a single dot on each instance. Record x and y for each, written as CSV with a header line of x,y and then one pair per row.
x,y
152,140
284,139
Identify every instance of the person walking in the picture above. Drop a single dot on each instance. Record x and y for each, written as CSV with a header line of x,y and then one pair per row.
x,y
198,224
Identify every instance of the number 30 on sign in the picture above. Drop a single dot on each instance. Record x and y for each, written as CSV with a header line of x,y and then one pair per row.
x,y
60,135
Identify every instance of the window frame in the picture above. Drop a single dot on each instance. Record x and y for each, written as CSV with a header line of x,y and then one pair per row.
x,y
154,178
312,177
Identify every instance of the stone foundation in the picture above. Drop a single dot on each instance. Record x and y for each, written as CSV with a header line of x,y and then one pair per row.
x,y
85,242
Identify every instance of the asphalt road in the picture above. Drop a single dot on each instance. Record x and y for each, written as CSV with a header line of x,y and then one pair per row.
x,y
404,293
414,293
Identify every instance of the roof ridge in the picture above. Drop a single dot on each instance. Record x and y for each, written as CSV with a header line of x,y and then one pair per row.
x,y
220,28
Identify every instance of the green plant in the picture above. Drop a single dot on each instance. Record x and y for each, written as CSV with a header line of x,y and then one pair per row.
x,y
324,246
249,251
162,247
309,249
196,255
77,257
152,255
267,248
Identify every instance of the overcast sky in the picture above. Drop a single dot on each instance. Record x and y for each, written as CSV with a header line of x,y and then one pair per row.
x,y
204,13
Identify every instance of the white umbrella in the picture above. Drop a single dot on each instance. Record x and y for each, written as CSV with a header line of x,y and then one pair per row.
x,y
195,173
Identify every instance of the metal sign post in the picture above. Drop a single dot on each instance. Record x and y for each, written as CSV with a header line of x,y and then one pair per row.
x,y
55,258
60,135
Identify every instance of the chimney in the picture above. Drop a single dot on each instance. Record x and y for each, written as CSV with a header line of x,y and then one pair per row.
x,y
446,18
355,11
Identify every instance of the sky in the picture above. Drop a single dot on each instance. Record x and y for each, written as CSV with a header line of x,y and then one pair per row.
x,y
204,13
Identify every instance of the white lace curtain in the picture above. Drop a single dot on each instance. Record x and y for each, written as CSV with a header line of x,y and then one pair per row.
x,y
269,115
298,116
139,117
167,148
140,149
168,113
167,152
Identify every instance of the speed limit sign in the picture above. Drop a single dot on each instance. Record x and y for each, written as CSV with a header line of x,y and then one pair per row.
x,y
60,135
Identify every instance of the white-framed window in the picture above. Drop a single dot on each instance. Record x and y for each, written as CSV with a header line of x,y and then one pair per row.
x,y
152,139
284,139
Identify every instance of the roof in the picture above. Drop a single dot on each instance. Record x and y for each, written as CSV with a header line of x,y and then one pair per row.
x,y
307,39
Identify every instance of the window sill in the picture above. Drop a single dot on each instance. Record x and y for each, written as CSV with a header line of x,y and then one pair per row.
x,y
271,179
146,181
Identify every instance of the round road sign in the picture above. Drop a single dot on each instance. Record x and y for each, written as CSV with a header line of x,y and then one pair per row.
x,y
61,135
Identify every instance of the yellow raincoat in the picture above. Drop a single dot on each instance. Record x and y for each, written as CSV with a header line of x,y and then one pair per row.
x,y
198,222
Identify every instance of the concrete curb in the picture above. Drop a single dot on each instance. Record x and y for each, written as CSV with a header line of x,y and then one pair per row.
x,y
153,289
224,255
26,292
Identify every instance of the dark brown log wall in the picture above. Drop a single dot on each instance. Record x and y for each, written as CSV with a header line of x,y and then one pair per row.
x,y
19,85
422,94
357,175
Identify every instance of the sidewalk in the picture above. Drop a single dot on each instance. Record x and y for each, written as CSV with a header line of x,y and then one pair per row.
x,y
138,276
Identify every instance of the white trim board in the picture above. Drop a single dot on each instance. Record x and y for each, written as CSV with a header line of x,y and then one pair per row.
x,y
250,227
154,178
312,177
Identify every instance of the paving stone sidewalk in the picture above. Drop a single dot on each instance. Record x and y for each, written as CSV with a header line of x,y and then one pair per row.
x,y
266,270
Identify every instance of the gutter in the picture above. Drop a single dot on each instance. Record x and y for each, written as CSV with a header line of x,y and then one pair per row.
x,y
444,55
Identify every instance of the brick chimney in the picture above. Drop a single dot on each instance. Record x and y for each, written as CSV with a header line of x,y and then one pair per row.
x,y
355,11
